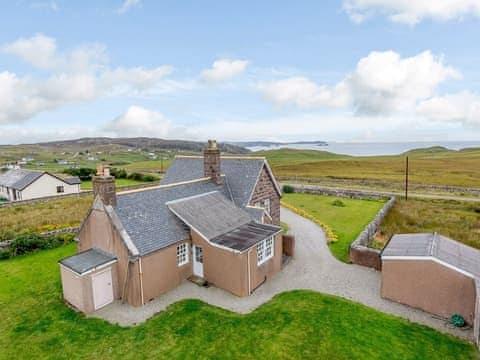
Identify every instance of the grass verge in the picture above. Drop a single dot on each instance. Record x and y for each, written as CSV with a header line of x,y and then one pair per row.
x,y
298,324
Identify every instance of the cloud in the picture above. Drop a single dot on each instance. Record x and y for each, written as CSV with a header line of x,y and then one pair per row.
x,y
412,11
51,5
463,107
81,74
382,83
128,5
138,121
224,69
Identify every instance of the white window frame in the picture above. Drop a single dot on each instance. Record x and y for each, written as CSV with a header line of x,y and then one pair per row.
x,y
265,250
266,205
182,254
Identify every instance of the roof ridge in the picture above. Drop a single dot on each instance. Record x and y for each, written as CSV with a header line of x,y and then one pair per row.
x,y
165,186
190,197
226,157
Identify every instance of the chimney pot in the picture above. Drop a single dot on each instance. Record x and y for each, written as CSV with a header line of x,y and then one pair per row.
x,y
104,185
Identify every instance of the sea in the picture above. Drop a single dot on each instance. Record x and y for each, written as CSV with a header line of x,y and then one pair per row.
x,y
372,148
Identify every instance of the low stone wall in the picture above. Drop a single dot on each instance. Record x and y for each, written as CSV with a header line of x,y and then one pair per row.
x,y
347,193
46,234
360,253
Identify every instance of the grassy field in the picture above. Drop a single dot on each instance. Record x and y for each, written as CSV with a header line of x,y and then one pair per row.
x,y
298,324
346,222
456,219
437,166
87,185
40,217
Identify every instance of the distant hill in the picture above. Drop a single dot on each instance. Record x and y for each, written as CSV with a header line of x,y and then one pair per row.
x,y
142,143
273,143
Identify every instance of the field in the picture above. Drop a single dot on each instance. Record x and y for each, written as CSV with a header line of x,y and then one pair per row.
x,y
346,222
40,217
297,324
456,219
436,166
87,185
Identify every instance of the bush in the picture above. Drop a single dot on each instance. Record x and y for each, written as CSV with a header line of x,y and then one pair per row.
x,y
288,189
28,243
85,174
5,253
135,176
457,320
149,178
119,173
338,203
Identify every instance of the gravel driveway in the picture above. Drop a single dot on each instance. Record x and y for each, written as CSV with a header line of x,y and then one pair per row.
x,y
313,268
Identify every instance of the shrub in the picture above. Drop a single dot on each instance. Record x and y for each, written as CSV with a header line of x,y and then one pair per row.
x,y
338,202
119,173
457,320
288,189
28,243
5,253
149,178
84,174
135,176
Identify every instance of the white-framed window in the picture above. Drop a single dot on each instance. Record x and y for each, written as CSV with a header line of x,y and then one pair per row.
x,y
266,205
257,204
60,189
265,250
182,254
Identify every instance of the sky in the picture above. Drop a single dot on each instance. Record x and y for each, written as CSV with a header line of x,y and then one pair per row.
x,y
332,70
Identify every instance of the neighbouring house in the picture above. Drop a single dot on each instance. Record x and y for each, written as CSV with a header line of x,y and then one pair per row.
x,y
213,219
22,184
433,273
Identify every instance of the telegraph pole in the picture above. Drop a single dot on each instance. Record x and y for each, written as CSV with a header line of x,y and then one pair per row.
x,y
406,179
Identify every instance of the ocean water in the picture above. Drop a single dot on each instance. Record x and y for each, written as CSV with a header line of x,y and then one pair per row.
x,y
373,148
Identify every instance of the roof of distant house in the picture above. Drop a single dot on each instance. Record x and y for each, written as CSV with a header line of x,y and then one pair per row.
x,y
433,245
19,179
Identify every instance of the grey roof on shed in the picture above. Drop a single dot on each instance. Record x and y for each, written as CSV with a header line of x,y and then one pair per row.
x,y
87,260
210,214
241,174
147,219
19,179
246,236
73,180
434,245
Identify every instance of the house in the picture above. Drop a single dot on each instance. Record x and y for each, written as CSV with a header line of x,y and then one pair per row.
x,y
21,184
433,273
212,219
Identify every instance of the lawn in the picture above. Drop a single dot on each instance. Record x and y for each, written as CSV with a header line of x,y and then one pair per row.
x,y
459,220
87,185
298,324
347,222
44,216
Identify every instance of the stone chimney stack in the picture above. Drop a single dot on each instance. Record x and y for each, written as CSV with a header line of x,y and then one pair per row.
x,y
104,185
211,162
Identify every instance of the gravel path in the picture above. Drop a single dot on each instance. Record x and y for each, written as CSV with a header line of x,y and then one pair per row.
x,y
312,268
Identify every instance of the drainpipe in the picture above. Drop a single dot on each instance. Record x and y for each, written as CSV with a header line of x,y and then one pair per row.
x,y
141,278
248,264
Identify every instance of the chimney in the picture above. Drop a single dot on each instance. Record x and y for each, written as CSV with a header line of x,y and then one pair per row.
x,y
211,162
104,185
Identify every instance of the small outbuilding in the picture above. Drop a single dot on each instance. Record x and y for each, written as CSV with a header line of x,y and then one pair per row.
x,y
89,279
433,273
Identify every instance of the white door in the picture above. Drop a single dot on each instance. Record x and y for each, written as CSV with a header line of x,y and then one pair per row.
x,y
102,288
197,261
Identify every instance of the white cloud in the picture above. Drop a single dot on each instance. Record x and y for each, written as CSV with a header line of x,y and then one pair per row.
x,y
382,82
51,5
138,121
412,11
81,74
224,69
463,107
127,5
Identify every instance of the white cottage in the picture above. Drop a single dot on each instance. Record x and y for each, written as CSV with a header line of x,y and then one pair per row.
x,y
21,184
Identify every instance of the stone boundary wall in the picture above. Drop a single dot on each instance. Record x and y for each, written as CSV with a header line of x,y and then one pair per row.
x,y
348,193
360,253
47,234
392,184
82,193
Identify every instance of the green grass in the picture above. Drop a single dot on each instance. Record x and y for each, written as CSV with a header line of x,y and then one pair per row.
x,y
436,165
87,185
284,227
459,220
298,324
346,221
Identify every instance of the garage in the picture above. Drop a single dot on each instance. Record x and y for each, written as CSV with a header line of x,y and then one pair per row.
x,y
89,279
433,273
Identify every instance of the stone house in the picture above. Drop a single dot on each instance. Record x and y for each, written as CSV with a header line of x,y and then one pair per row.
x,y
212,219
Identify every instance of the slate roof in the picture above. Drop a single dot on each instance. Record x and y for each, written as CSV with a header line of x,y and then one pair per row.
x,y
19,179
437,246
210,214
87,260
147,219
246,236
241,174
73,180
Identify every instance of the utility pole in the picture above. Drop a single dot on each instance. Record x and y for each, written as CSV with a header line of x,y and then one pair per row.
x,y
406,179
161,163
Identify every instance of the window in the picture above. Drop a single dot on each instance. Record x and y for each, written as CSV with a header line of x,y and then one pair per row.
x,y
257,204
266,204
60,189
265,250
182,254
